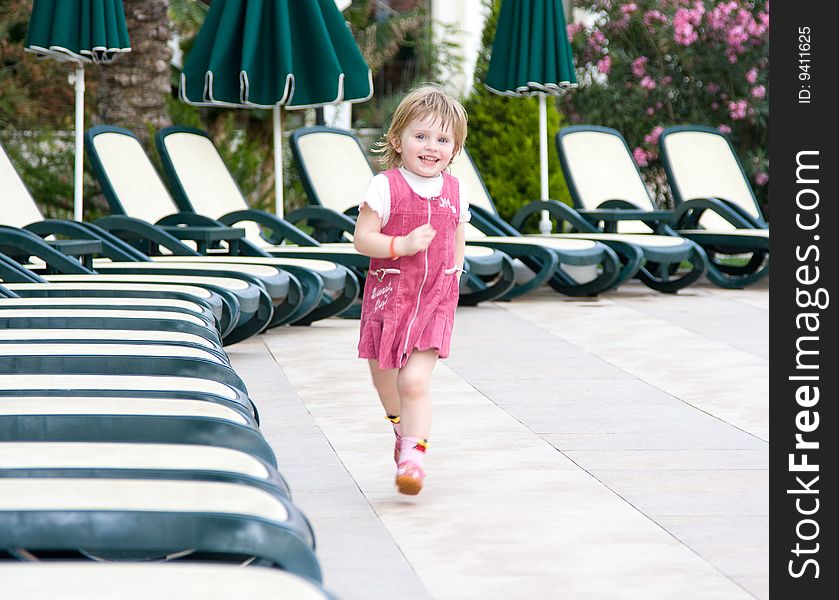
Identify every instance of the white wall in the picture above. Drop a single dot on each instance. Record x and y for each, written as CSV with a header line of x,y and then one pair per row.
x,y
468,16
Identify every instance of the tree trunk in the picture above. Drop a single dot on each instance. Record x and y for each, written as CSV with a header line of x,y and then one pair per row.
x,y
132,90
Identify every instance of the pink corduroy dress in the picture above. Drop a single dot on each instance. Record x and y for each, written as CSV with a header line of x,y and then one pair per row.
x,y
409,302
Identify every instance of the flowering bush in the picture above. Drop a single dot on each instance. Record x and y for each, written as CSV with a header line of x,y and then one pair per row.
x,y
647,64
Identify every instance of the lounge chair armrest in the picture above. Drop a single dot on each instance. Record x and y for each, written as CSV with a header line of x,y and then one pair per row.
x,y
23,244
280,229
352,212
688,213
110,246
149,237
488,223
188,219
612,211
328,225
556,209
723,207
484,222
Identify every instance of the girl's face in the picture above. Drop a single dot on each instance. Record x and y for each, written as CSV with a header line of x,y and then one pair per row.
x,y
426,146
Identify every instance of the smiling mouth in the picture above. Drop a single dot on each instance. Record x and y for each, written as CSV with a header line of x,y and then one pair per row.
x,y
429,160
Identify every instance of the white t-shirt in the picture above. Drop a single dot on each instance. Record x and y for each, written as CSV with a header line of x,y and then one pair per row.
x,y
377,196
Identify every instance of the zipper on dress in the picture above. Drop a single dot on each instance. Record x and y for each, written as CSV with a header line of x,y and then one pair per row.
x,y
419,293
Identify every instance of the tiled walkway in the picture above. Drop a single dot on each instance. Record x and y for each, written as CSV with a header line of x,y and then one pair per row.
x,y
582,448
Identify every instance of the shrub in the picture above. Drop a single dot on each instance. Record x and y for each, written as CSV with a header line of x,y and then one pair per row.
x,y
647,64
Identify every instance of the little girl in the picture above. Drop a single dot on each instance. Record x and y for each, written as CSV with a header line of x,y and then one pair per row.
x,y
411,224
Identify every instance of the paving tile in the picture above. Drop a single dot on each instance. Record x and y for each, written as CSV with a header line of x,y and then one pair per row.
x,y
608,448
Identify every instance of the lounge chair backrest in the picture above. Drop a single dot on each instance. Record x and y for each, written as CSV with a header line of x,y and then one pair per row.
x,y
337,169
201,180
599,167
701,163
131,183
472,189
17,207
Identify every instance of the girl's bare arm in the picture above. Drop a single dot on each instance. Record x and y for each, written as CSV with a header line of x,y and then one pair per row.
x,y
370,241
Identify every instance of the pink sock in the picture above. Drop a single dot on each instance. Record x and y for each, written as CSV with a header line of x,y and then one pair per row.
x,y
412,449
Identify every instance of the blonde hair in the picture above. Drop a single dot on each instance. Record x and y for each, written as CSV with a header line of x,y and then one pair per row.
x,y
427,100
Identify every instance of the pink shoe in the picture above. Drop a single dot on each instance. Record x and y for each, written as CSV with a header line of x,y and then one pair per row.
x,y
409,478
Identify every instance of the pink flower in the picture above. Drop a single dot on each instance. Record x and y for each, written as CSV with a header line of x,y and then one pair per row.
x,y
666,80
653,16
715,105
650,111
639,66
713,88
604,65
573,29
629,8
652,137
738,110
640,157
761,178
759,91
751,75
684,33
724,129
647,83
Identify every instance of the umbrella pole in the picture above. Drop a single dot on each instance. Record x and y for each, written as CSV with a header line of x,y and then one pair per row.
x,y
79,148
544,222
278,160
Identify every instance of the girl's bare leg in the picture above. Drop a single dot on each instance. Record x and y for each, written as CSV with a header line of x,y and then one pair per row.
x,y
414,390
384,380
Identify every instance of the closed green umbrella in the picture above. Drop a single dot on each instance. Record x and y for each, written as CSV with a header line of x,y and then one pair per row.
x,y
274,53
78,32
531,56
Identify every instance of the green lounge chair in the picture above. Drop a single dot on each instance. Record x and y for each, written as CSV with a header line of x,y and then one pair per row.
x,y
20,211
623,202
335,173
714,201
148,519
651,258
246,296
54,379
202,184
120,164
190,419
131,460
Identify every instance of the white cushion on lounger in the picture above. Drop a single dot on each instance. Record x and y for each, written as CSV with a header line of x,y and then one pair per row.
x,y
107,405
96,455
171,581
24,494
310,264
126,335
19,208
98,300
101,313
226,282
703,166
250,269
139,383
105,349
192,290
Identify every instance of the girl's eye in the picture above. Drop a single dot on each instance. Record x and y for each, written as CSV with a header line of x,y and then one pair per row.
x,y
420,136
443,140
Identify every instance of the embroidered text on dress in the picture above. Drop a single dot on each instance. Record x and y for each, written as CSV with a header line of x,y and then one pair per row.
x,y
446,203
380,291
382,294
